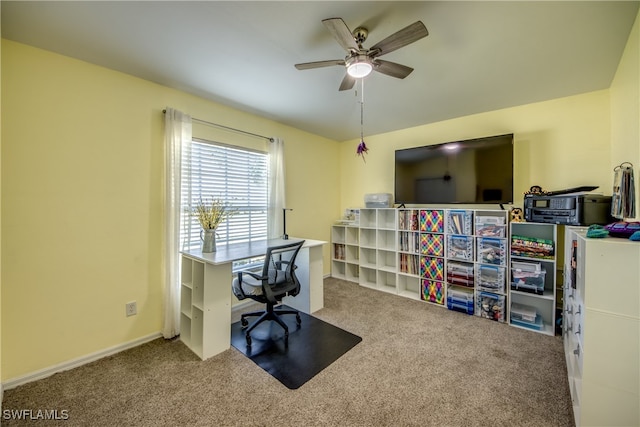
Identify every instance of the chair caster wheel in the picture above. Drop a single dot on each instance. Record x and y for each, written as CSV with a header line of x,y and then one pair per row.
x,y
244,322
248,341
298,319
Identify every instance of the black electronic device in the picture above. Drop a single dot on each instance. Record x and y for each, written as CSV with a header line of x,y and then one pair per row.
x,y
472,171
568,209
581,189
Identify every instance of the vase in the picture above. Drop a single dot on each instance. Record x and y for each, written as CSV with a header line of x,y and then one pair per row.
x,y
208,238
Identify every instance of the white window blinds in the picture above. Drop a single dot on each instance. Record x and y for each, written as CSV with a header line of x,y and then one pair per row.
x,y
235,175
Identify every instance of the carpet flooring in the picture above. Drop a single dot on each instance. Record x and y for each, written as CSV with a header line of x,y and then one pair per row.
x,y
417,365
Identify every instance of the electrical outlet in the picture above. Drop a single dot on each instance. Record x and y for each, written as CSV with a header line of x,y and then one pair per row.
x,y
131,309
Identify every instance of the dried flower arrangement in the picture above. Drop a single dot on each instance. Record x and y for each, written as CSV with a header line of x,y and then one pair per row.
x,y
211,214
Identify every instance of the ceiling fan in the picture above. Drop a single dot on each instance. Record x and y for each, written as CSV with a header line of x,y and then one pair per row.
x,y
360,61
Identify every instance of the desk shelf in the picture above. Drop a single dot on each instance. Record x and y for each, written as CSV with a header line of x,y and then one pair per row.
x,y
200,328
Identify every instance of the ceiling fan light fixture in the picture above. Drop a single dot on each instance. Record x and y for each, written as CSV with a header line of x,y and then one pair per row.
x,y
359,66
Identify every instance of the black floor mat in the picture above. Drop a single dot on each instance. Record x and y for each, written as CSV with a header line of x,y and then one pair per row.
x,y
313,346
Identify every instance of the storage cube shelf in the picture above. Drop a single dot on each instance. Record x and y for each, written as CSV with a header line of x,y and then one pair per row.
x,y
528,281
408,286
345,255
455,258
409,242
533,274
409,220
410,264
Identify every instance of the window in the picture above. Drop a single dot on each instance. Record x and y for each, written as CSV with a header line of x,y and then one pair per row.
x,y
235,175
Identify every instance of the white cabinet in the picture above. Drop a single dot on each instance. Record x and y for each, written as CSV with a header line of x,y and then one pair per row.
x,y
532,293
601,328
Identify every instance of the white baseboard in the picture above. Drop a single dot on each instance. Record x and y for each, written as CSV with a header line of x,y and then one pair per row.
x,y
74,363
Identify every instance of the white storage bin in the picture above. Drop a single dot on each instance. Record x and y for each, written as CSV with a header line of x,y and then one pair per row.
x,y
378,200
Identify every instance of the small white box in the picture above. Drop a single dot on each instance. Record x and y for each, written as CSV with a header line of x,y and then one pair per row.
x,y
378,200
523,312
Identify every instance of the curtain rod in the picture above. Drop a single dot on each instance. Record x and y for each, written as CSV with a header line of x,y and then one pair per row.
x,y
227,127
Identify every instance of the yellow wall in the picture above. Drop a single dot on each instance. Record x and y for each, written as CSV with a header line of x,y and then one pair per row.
x,y
558,144
82,177
1,388
81,187
625,109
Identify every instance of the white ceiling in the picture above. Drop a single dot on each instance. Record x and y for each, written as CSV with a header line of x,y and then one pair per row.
x,y
479,56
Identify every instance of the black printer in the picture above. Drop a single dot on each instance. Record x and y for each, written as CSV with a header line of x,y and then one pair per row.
x,y
568,209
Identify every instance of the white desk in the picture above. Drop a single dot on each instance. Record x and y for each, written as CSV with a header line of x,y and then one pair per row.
x,y
205,291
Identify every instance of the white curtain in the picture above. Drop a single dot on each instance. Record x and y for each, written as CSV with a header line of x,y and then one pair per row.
x,y
276,188
177,134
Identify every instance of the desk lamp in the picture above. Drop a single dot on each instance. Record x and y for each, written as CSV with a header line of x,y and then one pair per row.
x,y
284,223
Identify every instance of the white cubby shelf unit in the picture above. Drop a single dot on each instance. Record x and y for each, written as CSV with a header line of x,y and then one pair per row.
x,y
345,253
533,276
455,258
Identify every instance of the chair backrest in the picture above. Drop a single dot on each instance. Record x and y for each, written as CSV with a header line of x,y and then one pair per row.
x,y
279,266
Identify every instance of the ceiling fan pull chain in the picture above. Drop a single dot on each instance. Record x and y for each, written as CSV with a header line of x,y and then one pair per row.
x,y
362,109
362,147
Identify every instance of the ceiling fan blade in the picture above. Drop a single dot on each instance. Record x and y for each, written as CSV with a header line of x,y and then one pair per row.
x,y
406,36
392,69
341,33
347,83
319,64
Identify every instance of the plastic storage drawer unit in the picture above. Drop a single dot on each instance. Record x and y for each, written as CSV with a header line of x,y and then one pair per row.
x,y
490,278
525,316
460,222
460,247
492,250
490,226
460,274
460,301
528,281
490,306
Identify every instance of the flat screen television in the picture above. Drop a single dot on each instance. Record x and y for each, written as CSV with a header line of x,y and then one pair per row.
x,y
474,171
